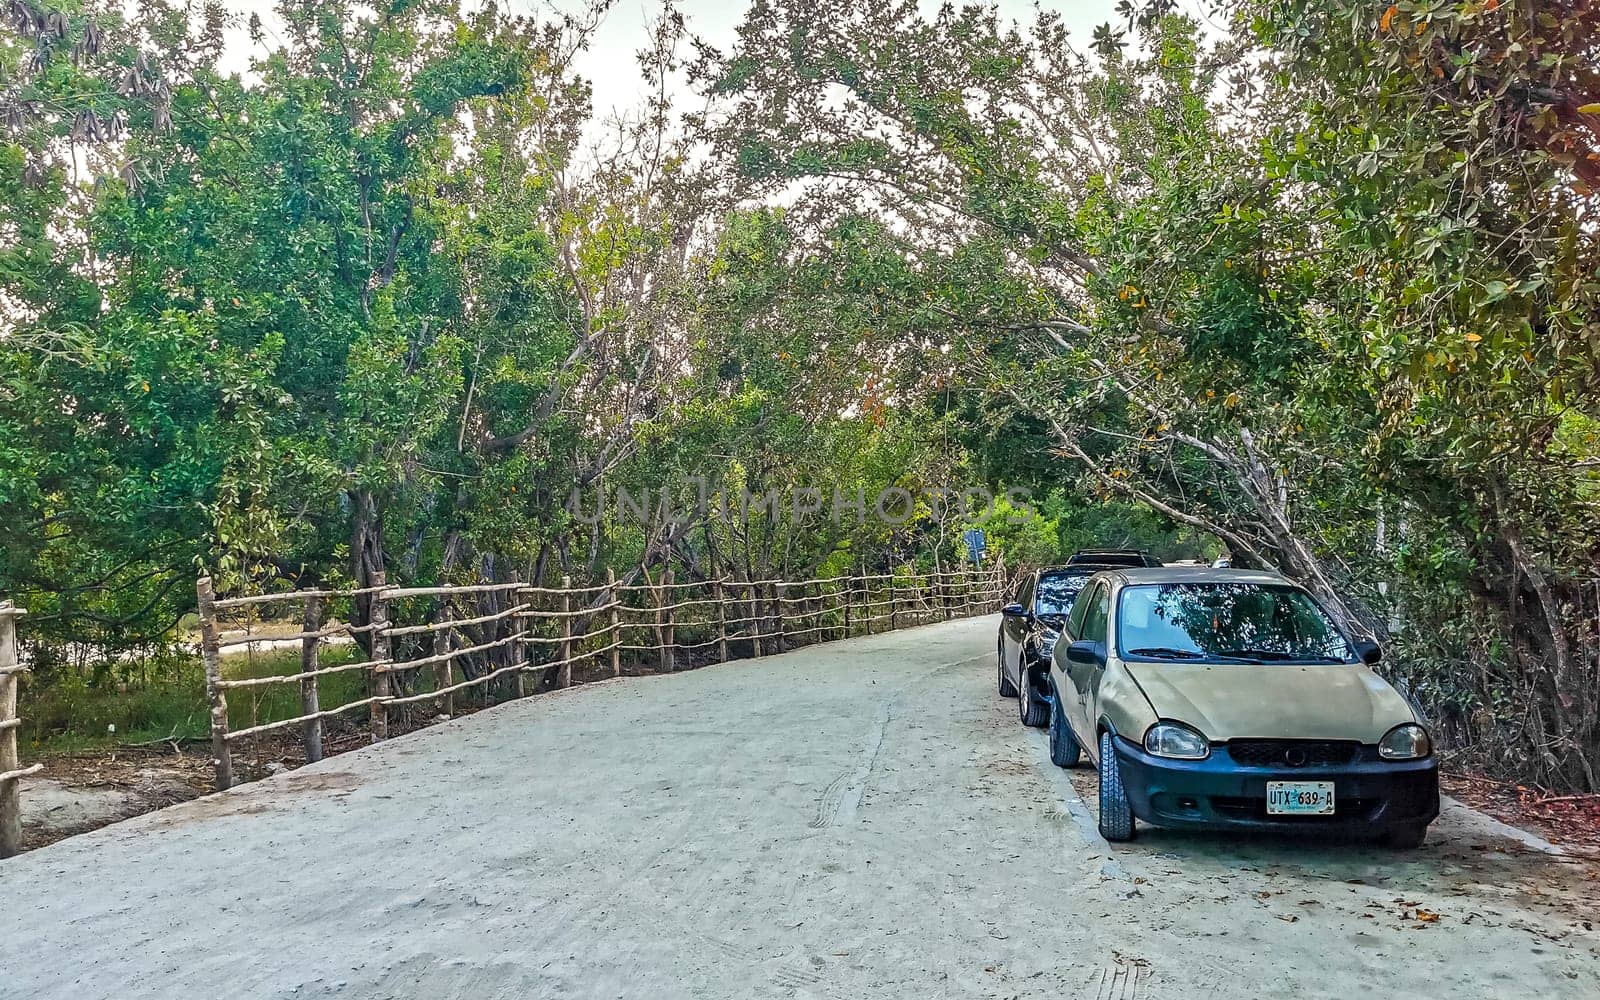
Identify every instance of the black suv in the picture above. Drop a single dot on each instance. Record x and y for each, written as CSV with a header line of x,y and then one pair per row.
x,y
1030,623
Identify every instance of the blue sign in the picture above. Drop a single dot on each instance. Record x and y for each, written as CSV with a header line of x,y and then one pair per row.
x,y
975,545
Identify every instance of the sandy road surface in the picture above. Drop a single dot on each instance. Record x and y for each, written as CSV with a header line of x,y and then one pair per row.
x,y
863,819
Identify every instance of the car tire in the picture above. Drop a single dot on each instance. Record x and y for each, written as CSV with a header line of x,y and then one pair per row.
x,y
1007,689
1064,748
1034,713
1116,815
1406,838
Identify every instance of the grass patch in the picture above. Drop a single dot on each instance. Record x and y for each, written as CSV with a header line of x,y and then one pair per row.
x,y
73,713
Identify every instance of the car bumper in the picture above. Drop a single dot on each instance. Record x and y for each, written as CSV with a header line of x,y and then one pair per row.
x,y
1369,795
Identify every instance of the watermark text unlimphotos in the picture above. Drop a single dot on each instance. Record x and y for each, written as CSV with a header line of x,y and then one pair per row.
x,y
697,499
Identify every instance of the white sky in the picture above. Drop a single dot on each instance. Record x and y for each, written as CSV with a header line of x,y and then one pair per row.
x,y
610,65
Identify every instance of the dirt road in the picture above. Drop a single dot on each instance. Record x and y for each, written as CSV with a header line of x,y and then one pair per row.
x,y
862,819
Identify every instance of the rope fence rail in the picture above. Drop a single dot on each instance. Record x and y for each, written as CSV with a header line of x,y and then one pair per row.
x,y
420,650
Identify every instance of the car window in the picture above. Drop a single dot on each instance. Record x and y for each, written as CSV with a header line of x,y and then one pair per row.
x,y
1025,594
1097,614
1080,608
1058,592
1226,622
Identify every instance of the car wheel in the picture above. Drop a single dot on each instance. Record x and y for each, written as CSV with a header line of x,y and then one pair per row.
x,y
1007,689
1064,749
1406,838
1035,713
1116,815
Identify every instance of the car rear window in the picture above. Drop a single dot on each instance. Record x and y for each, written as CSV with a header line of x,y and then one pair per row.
x,y
1057,592
1226,622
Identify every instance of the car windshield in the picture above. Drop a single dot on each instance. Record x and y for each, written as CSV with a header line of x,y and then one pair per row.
x,y
1226,623
1057,592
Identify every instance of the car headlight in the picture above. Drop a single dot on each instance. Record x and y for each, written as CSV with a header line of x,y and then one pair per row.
x,y
1405,742
1174,739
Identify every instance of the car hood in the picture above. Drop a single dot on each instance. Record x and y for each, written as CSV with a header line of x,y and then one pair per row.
x,y
1274,700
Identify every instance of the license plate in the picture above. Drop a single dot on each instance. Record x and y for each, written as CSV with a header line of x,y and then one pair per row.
x,y
1299,798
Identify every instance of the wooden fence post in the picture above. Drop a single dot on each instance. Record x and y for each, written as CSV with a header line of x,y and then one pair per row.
x,y
614,596
564,672
665,634
11,769
849,600
444,670
211,654
819,617
519,645
775,602
379,672
868,612
824,612
722,620
755,624
310,702
811,611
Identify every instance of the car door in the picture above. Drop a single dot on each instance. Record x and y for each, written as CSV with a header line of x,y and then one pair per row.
x,y
1014,631
1061,681
1085,677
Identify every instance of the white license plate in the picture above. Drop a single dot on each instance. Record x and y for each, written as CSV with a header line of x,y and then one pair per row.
x,y
1299,798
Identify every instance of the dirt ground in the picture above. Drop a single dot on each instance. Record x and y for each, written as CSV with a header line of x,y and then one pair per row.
x,y
860,819
78,792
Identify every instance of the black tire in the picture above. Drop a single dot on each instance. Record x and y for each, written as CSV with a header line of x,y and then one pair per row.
x,y
1406,838
1034,713
1007,689
1064,748
1116,815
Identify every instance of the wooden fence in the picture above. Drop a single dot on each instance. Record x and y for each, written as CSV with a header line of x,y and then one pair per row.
x,y
11,769
427,647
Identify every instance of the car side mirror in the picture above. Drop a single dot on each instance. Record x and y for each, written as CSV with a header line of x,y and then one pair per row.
x,y
1368,651
1014,611
1087,652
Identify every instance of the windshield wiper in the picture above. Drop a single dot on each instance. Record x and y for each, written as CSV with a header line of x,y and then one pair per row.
x,y
1169,653
1166,652
1276,656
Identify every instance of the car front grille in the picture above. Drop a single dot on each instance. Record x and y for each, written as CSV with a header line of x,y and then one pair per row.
x,y
1290,754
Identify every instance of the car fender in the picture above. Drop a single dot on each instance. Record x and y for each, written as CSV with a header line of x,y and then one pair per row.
x,y
1121,707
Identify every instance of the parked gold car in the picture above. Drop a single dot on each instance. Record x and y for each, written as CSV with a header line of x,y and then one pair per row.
x,y
1229,698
